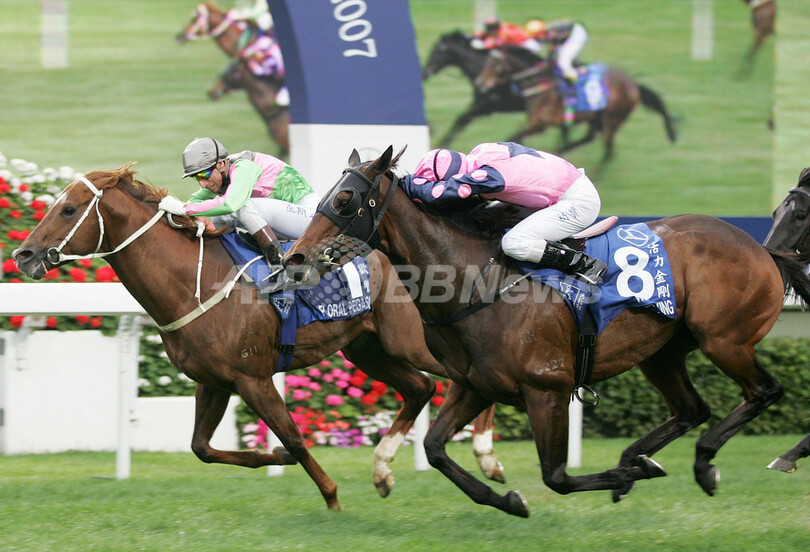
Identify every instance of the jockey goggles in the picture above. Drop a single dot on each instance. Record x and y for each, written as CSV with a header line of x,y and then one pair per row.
x,y
203,175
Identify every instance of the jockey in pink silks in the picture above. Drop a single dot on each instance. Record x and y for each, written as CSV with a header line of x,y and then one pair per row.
x,y
249,190
563,197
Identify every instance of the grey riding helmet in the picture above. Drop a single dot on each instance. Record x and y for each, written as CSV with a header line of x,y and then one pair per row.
x,y
202,154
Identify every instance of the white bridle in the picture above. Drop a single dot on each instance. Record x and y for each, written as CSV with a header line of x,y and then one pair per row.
x,y
55,255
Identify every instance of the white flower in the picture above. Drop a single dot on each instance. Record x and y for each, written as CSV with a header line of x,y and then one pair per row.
x,y
47,199
164,380
18,164
27,196
2,160
154,338
37,179
49,174
182,377
6,174
66,173
143,382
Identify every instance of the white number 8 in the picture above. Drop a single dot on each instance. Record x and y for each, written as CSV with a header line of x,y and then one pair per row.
x,y
621,258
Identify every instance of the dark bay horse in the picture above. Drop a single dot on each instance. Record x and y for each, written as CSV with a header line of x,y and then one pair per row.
x,y
232,347
262,92
544,100
454,49
791,233
729,291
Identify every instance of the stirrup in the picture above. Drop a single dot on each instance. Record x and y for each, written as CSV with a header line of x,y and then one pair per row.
x,y
593,271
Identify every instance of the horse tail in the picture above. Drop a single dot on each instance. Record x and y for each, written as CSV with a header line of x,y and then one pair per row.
x,y
792,268
652,100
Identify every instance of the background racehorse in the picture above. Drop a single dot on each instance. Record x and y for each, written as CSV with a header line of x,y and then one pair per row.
x,y
763,20
728,289
544,101
232,346
262,92
791,232
454,49
232,37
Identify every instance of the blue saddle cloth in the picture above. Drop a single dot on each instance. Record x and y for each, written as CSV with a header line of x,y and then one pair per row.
x,y
339,295
591,88
638,276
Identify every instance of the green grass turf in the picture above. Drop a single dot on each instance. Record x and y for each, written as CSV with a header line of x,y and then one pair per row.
x,y
175,502
132,93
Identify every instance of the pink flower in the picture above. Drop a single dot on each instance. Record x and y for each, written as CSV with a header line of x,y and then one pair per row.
x,y
315,386
334,400
300,394
348,364
325,363
342,384
314,373
354,392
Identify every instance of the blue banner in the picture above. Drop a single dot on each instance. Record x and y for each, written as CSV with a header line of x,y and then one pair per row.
x,y
350,61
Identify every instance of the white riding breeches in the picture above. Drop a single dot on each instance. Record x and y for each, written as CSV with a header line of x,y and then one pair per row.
x,y
570,49
286,219
576,210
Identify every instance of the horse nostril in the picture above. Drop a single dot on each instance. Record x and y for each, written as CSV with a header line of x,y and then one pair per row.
x,y
295,259
21,254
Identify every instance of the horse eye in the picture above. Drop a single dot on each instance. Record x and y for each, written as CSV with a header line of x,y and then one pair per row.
x,y
68,210
801,215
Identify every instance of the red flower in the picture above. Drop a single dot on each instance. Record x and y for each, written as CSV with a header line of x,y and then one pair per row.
x,y
2,181
439,387
379,387
52,322
77,274
105,274
38,216
358,378
24,187
82,318
85,262
22,234
437,401
52,274
4,187
16,321
15,281
12,234
96,321
4,202
369,399
9,266
38,205
15,214
398,397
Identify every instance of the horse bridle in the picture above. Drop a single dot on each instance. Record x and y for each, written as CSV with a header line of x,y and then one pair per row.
x,y
361,216
55,255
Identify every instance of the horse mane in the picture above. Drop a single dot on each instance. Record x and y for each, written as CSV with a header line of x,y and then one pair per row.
x,y
123,179
522,55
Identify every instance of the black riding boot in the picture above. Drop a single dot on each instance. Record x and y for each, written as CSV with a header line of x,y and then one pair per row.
x,y
268,242
571,261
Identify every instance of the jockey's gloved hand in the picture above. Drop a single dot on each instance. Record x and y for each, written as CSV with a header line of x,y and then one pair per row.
x,y
172,205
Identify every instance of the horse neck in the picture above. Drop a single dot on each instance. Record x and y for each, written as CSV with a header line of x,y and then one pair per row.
x,y
159,268
469,60
421,239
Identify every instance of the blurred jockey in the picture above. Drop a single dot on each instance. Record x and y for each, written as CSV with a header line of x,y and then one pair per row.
x,y
497,33
565,39
563,197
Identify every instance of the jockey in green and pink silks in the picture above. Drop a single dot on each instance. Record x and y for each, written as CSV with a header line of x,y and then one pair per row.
x,y
563,197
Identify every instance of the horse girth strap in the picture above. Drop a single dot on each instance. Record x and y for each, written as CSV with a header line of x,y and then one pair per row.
x,y
474,307
583,367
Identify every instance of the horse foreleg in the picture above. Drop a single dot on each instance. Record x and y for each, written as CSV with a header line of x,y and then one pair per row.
x,y
368,354
483,448
460,406
666,370
787,461
262,397
210,405
548,418
593,128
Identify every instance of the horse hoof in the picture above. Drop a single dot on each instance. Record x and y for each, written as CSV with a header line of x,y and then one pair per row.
x,y
286,458
494,472
620,494
787,466
708,479
385,485
516,505
650,467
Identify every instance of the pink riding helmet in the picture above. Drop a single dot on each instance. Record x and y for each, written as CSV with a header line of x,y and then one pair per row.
x,y
441,164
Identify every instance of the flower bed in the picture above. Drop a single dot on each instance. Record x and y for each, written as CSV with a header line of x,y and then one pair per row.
x,y
333,403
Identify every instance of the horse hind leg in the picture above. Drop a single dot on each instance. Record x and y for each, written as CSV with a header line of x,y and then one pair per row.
x,y
368,354
460,406
666,370
483,447
760,390
210,405
787,461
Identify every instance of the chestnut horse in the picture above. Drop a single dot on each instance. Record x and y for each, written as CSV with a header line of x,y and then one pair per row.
x,y
231,347
544,100
521,351
791,233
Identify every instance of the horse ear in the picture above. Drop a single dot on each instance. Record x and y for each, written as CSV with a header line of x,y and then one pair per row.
x,y
804,177
382,163
354,158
